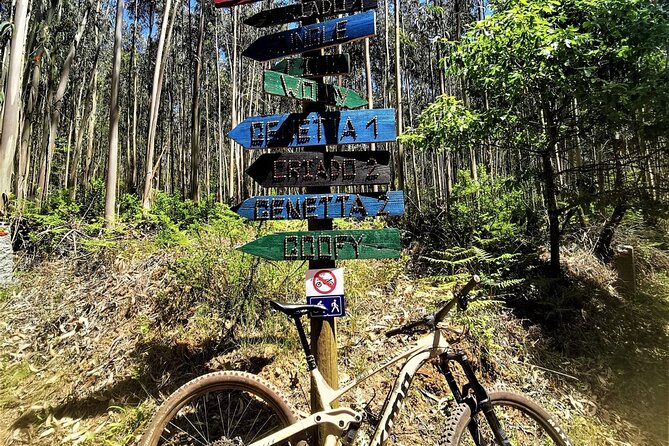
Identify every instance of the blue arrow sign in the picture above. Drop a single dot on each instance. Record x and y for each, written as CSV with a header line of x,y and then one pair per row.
x,y
297,207
312,37
316,129
334,304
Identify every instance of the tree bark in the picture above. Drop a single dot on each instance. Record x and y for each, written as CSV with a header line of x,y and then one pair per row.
x,y
195,115
233,110
221,161
112,159
56,104
21,187
12,110
398,98
163,47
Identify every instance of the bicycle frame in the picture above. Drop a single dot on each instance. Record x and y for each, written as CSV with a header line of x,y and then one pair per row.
x,y
338,421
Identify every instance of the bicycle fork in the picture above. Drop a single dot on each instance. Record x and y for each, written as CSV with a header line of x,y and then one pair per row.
x,y
474,395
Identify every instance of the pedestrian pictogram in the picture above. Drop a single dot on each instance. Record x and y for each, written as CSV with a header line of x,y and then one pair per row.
x,y
334,305
325,282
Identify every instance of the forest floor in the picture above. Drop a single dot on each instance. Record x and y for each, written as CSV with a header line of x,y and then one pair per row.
x,y
91,342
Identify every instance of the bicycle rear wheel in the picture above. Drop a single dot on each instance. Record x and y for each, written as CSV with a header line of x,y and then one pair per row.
x,y
219,409
524,422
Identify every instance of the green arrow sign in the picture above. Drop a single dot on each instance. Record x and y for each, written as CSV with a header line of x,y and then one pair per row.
x,y
327,245
308,90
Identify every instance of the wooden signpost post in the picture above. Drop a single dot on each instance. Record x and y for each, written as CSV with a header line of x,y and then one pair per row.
x,y
327,245
307,206
313,37
280,84
308,10
309,169
316,129
315,169
318,66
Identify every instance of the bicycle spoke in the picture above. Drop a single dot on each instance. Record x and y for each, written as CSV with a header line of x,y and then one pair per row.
x,y
191,436
206,423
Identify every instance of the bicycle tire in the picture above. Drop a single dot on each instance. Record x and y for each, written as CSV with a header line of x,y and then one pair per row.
x,y
524,422
202,412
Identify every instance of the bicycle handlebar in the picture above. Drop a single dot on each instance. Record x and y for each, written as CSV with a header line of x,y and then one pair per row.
x,y
460,299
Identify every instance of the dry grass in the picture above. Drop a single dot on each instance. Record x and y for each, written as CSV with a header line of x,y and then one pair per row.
x,y
87,351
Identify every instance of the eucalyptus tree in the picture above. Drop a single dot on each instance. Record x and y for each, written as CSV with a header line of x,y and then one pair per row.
x,y
10,121
112,157
544,78
156,90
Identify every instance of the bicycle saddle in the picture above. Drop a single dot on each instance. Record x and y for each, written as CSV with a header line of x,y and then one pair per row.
x,y
297,310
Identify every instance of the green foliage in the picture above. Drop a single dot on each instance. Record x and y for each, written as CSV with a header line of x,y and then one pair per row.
x,y
130,208
173,217
444,125
488,212
532,60
124,422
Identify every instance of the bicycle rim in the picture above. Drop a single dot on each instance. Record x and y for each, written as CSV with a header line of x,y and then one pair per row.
x,y
219,409
523,421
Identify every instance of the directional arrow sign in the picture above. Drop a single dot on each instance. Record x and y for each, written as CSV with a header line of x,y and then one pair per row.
x,y
313,37
327,245
306,169
308,9
297,207
328,65
316,129
307,90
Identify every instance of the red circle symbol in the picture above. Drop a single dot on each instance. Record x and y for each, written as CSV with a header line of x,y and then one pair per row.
x,y
324,281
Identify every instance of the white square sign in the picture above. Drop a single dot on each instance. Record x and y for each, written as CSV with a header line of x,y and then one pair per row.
x,y
325,282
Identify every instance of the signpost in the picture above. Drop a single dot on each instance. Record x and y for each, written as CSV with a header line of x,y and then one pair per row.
x,y
308,90
308,206
316,129
327,245
307,169
318,66
313,37
301,78
308,10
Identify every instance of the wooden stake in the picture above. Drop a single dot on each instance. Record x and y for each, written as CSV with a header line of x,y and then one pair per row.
x,y
323,330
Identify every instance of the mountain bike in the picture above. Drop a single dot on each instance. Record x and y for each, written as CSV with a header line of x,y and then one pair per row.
x,y
241,409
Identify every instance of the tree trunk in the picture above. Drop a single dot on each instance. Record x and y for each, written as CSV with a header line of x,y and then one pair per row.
x,y
553,213
92,118
398,98
233,111
195,115
112,160
603,249
56,104
26,132
166,29
12,110
132,186
221,161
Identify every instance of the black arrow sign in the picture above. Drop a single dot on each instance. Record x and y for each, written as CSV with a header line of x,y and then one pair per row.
x,y
305,169
308,9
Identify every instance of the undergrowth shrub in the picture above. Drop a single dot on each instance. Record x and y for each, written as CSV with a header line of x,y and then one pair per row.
x,y
489,213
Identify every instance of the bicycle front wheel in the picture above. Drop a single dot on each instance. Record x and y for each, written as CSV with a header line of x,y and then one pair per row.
x,y
524,422
219,409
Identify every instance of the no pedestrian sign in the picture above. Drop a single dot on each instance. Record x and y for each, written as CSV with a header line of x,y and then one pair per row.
x,y
325,282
